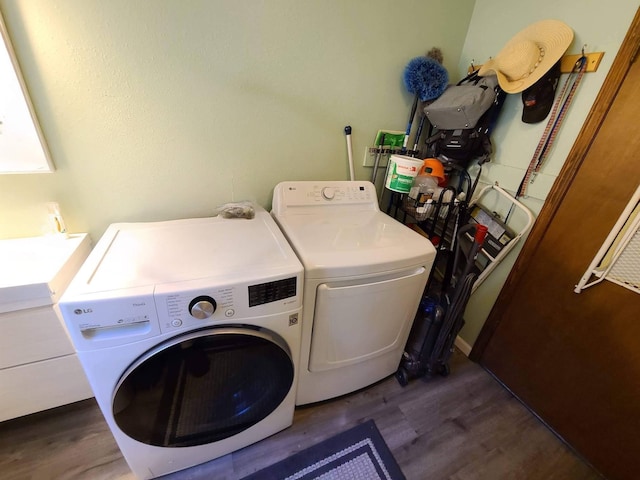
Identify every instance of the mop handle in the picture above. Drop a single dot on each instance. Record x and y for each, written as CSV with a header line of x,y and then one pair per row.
x,y
414,107
376,163
347,131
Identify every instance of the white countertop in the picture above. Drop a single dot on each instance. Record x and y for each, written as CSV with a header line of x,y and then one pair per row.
x,y
34,271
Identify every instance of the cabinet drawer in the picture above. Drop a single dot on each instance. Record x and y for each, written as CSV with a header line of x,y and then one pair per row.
x,y
42,385
31,335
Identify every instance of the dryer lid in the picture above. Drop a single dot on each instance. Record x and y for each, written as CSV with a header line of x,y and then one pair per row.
x,y
340,244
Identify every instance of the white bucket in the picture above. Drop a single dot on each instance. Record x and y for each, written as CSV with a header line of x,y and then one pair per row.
x,y
402,170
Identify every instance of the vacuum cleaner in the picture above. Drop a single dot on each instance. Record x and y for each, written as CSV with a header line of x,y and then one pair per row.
x,y
439,318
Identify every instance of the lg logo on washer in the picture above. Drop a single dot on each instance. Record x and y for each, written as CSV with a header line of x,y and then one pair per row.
x,y
81,311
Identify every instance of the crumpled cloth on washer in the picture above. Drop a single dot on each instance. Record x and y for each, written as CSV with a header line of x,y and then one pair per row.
x,y
236,210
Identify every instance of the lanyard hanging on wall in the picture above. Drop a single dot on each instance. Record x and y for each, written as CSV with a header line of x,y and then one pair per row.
x,y
558,112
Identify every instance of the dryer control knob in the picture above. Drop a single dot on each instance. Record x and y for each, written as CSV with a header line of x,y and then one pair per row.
x,y
202,307
328,193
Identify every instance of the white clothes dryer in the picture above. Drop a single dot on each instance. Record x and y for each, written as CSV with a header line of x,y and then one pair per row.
x,y
364,272
189,334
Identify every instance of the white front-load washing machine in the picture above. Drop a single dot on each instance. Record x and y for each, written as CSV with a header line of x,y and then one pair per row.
x,y
189,333
364,277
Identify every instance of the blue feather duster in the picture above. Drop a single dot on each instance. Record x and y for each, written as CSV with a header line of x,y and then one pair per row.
x,y
426,78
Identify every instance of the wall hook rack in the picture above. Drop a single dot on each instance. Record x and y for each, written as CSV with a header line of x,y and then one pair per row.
x,y
593,61
568,61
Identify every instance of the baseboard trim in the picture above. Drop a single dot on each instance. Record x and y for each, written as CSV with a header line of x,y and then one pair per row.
x,y
463,346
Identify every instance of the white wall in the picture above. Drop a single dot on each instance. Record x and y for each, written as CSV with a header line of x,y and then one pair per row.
x,y
162,109
602,27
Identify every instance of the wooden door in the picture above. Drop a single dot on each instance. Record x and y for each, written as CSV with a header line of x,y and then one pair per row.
x,y
574,359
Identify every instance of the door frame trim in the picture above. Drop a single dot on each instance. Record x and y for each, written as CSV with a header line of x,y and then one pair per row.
x,y
619,68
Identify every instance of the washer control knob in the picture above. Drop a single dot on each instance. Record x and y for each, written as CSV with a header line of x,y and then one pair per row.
x,y
328,193
202,307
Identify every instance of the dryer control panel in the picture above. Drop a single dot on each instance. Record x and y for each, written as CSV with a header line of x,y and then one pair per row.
x,y
297,195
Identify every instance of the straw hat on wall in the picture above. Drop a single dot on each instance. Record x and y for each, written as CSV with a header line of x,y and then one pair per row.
x,y
529,55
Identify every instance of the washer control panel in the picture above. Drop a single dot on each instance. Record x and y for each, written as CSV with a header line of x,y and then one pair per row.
x,y
197,303
263,293
181,309
93,320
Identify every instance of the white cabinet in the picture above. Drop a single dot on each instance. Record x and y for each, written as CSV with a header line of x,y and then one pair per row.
x,y
38,366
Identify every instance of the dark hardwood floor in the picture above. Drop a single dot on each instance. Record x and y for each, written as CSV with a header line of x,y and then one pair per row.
x,y
462,427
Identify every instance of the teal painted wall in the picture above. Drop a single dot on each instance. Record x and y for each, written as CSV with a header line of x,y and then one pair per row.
x,y
164,109
601,26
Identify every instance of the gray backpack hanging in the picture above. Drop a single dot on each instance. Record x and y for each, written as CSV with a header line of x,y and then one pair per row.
x,y
462,105
462,119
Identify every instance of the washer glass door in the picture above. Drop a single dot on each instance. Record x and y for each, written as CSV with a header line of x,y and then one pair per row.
x,y
203,387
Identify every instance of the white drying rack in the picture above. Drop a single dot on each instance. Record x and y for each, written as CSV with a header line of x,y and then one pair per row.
x,y
618,259
495,261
